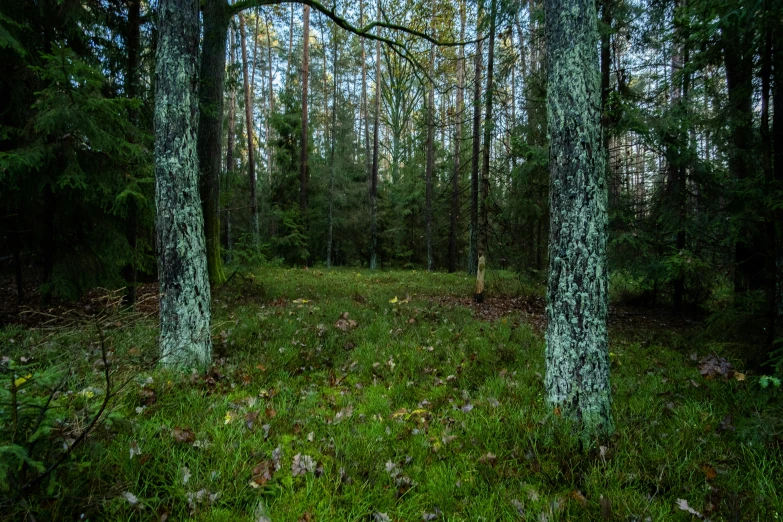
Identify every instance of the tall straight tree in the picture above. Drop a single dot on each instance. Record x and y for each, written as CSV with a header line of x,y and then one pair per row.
x,y
488,124
430,167
577,356
474,166
332,140
457,142
182,261
375,159
133,41
251,158
210,128
303,171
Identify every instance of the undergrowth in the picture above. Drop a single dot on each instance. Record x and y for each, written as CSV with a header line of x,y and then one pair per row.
x,y
407,408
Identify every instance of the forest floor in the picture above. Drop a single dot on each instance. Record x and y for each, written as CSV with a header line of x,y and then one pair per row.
x,y
378,396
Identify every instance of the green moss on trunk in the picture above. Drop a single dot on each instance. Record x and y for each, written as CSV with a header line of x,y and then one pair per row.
x,y
577,360
182,261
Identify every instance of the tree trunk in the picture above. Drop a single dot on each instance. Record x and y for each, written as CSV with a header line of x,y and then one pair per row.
x,y
182,262
375,146
457,143
270,105
251,157
232,105
430,167
777,146
330,220
210,128
131,87
365,116
738,62
488,125
303,168
769,182
577,358
474,170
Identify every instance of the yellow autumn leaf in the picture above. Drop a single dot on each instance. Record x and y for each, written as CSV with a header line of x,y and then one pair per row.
x,y
228,418
21,380
392,301
739,376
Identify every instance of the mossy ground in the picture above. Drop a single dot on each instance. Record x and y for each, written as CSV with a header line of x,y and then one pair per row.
x,y
422,409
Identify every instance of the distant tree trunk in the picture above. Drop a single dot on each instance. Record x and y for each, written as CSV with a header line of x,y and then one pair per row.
x,y
769,182
251,158
270,105
330,221
777,145
131,86
738,62
232,107
430,167
210,128
474,170
364,111
182,261
375,159
303,168
290,44
577,355
457,143
488,125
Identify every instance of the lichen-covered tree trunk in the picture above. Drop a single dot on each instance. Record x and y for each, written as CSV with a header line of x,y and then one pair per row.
x,y
483,223
577,358
182,261
210,128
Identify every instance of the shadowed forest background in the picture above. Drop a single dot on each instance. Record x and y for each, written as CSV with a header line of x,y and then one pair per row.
x,y
346,184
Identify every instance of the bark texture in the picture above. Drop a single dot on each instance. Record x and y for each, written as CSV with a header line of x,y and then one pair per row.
x,y
251,157
375,159
210,128
577,359
474,167
182,262
457,144
430,160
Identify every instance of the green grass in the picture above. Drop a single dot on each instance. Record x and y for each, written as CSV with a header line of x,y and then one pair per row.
x,y
402,414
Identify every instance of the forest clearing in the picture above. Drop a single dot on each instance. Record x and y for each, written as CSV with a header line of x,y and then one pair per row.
x,y
391,260
425,406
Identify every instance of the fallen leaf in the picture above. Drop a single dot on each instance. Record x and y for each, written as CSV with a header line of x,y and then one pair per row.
x,y
262,473
683,505
270,412
183,435
709,471
519,506
579,497
21,380
250,419
392,301
489,458
739,376
134,449
131,498
432,516
302,464
467,408
380,517
229,418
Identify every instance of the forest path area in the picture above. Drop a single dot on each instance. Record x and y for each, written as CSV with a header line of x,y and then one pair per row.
x,y
348,394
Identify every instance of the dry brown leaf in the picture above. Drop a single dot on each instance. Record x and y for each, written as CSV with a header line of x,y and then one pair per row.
x,y
183,435
579,497
709,471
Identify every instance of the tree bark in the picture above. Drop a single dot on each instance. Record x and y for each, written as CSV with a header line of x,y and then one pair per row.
x,y
131,86
251,157
457,143
210,128
430,167
488,125
303,168
232,104
474,170
330,219
577,358
364,110
375,146
182,262
777,146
